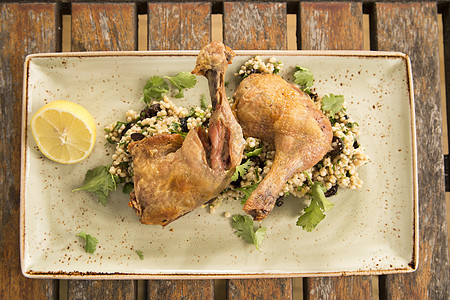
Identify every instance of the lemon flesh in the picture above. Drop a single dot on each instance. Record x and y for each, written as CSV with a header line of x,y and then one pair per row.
x,y
64,131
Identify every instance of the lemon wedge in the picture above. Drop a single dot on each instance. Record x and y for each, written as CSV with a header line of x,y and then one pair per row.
x,y
64,131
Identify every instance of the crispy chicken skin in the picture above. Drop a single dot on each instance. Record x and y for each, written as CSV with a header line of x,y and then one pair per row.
x,y
269,108
172,175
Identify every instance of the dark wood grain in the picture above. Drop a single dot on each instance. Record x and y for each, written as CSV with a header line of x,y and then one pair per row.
x,y
178,26
413,29
333,26
24,29
99,27
270,289
175,26
101,289
180,289
255,25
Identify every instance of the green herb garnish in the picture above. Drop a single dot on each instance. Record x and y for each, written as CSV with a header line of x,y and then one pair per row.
x,y
247,190
154,89
128,187
332,103
139,253
314,213
241,170
183,80
203,104
245,229
303,78
100,182
254,152
90,242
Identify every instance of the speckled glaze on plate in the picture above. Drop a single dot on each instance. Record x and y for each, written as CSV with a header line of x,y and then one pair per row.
x,y
372,230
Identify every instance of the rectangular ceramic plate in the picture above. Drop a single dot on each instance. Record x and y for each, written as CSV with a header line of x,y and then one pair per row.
x,y
372,230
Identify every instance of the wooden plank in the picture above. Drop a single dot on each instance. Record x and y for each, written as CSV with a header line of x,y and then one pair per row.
x,y
178,26
276,288
333,26
255,25
413,29
100,27
180,289
24,29
101,289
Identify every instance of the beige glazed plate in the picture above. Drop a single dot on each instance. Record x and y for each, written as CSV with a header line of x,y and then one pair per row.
x,y
372,230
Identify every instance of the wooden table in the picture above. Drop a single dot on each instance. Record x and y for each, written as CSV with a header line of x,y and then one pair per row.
x,y
410,27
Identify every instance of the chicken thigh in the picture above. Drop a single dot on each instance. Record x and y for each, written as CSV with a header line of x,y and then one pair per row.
x,y
172,175
269,108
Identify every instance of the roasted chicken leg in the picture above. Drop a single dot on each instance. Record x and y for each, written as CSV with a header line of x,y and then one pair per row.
x,y
172,175
269,108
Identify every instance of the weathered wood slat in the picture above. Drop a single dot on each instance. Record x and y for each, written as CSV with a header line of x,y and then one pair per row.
x,y
413,29
99,27
178,26
175,26
24,29
333,26
255,25
180,289
270,289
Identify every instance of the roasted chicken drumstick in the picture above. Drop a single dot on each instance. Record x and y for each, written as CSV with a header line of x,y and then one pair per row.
x,y
269,108
172,175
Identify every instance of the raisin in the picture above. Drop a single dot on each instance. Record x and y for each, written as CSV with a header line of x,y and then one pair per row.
x,y
338,146
150,111
136,136
279,202
332,191
183,125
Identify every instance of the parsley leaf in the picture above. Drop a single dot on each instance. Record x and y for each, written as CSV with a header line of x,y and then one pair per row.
x,y
183,80
241,170
332,103
100,182
245,229
247,190
154,89
139,253
91,242
314,213
303,77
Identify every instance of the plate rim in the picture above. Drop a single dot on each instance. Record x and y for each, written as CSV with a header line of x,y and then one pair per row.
x,y
412,265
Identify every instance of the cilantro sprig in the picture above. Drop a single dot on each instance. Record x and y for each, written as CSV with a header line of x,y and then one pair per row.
x,y
100,182
245,230
332,103
183,80
303,78
314,212
241,170
90,242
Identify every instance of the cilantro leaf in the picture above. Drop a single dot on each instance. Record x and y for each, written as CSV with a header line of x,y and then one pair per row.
x,y
314,213
139,253
128,187
247,190
203,104
332,103
241,170
154,89
254,152
91,242
303,77
183,80
100,182
245,229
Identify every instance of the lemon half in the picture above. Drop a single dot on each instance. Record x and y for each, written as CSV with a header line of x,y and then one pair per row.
x,y
64,131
